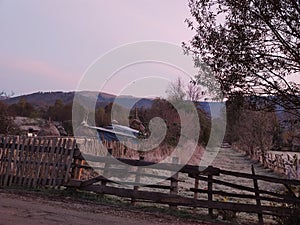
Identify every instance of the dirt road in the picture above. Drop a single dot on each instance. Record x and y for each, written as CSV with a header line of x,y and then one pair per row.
x,y
32,209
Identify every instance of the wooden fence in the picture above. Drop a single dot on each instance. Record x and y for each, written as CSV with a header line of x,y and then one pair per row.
x,y
35,161
39,162
187,186
283,163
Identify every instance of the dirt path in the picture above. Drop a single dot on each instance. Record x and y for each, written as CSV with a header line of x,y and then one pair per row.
x,y
229,159
233,160
35,209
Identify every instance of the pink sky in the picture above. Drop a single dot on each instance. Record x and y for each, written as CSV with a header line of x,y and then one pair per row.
x,y
47,45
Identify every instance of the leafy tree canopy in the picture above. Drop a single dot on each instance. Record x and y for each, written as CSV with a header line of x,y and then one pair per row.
x,y
252,47
7,125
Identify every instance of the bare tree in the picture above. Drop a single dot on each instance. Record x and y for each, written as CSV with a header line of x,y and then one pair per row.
x,y
194,92
176,90
255,131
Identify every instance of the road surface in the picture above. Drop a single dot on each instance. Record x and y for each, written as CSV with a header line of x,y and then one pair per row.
x,y
35,209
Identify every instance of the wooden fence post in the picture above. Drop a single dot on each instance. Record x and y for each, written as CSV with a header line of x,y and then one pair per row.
x,y
258,203
137,179
76,172
106,166
2,159
210,193
174,182
196,186
297,169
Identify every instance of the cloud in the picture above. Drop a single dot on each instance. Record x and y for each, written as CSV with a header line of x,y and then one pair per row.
x,y
37,68
30,75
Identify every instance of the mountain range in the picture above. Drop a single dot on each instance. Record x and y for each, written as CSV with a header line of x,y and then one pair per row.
x,y
46,99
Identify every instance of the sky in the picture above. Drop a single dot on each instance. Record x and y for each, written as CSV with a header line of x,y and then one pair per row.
x,y
49,45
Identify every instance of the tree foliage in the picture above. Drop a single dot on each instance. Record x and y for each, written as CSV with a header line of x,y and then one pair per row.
x,y
7,125
251,46
251,130
165,110
22,108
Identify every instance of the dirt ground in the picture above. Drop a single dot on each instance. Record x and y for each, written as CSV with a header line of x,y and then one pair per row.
x,y
29,208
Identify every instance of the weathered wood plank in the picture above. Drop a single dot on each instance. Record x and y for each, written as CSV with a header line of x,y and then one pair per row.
x,y
22,163
261,177
10,153
49,165
35,163
30,164
123,170
240,187
39,160
57,159
70,160
137,180
257,197
63,162
107,165
196,186
285,199
13,164
228,184
45,162
55,155
184,201
210,193
174,182
18,160
4,157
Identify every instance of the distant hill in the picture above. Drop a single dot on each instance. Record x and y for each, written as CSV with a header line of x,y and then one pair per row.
x,y
40,99
45,99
